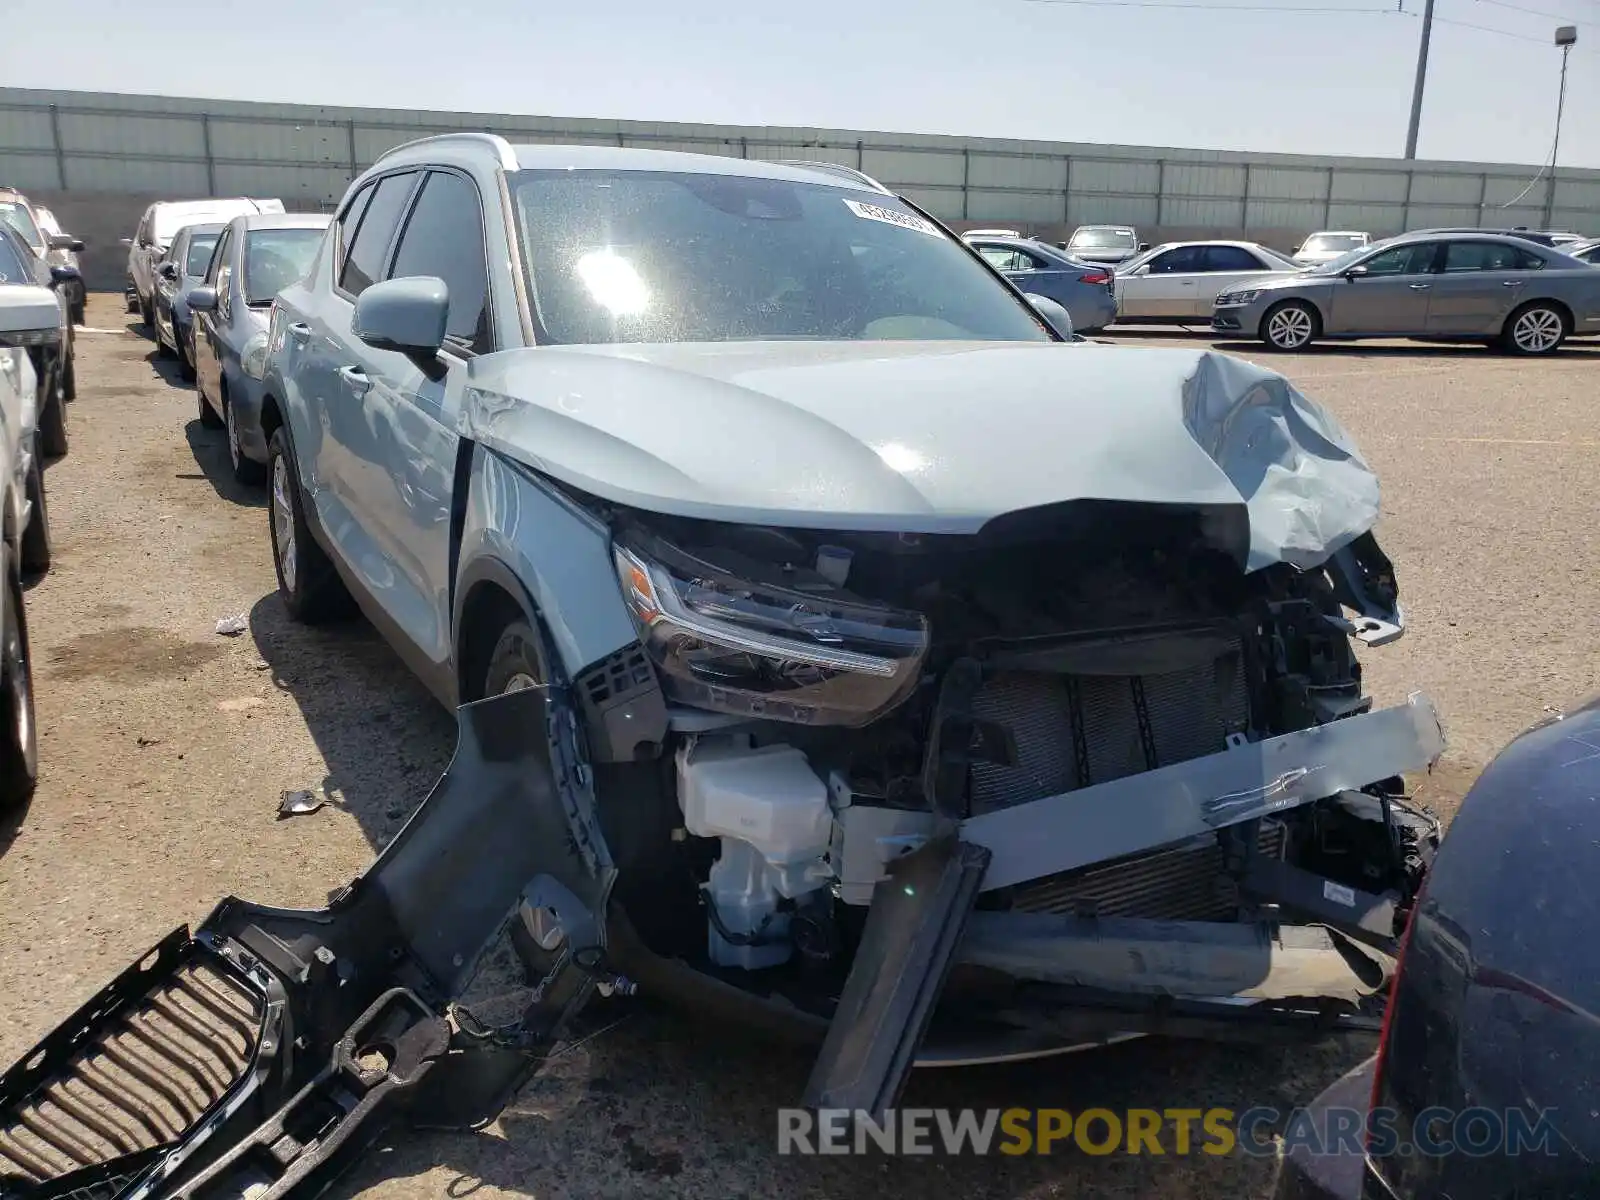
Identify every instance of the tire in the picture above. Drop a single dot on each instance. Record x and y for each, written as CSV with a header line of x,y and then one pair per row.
x,y
36,537
208,415
19,736
311,589
131,299
69,376
79,310
186,370
148,316
246,471
1535,329
52,441
1292,325
162,349
514,663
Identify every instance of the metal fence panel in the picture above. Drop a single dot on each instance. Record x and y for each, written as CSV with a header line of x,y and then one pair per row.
x,y
166,177
132,138
1112,210
1427,188
1124,178
1369,186
1288,183
30,172
1213,181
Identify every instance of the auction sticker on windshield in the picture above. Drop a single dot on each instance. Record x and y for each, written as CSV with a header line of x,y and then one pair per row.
x,y
890,216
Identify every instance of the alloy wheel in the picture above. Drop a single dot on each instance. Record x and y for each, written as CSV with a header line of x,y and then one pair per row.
x,y
19,681
1537,331
283,520
234,453
519,682
1289,328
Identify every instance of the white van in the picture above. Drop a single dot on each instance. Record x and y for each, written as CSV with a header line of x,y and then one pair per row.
x,y
160,224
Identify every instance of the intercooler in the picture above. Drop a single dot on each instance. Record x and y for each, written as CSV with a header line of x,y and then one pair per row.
x,y
1070,731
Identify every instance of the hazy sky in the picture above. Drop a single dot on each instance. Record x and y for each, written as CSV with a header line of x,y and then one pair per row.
x,y
1313,82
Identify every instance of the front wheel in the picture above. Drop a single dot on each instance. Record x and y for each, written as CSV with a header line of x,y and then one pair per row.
x,y
19,739
1536,328
36,537
53,426
246,470
1292,325
310,586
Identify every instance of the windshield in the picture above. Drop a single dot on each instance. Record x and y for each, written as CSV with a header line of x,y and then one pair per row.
x,y
1103,239
199,257
12,268
1323,243
275,258
648,256
19,218
1334,265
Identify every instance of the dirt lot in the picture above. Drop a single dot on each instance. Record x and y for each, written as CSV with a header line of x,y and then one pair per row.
x,y
165,748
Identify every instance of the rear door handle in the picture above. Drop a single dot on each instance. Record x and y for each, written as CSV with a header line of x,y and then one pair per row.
x,y
1419,287
299,331
356,379
1511,283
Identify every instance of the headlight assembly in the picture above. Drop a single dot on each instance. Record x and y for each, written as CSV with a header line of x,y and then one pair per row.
x,y
1230,299
791,650
253,358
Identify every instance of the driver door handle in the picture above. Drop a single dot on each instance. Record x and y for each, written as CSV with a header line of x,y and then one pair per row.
x,y
1511,283
1419,287
355,379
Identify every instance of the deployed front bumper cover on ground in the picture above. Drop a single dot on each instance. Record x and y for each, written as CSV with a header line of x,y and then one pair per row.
x,y
258,1056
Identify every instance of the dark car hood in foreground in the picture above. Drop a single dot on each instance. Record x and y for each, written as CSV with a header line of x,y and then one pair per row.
x,y
926,437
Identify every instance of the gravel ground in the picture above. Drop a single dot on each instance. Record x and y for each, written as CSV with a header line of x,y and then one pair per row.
x,y
165,748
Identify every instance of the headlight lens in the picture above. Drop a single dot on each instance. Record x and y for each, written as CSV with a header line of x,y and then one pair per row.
x,y
253,358
1229,299
798,650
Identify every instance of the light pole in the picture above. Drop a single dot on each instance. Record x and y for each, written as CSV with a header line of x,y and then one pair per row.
x,y
1422,78
1566,38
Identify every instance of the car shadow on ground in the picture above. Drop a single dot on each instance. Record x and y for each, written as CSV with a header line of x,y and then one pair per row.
x,y
384,737
665,1104
167,368
210,450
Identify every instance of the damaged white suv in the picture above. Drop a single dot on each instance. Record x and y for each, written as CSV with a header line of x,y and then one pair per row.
x,y
840,650
832,549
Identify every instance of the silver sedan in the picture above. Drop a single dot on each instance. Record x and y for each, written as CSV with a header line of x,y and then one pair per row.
x,y
1478,287
1177,281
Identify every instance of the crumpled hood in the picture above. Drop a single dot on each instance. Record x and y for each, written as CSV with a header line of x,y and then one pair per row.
x,y
925,437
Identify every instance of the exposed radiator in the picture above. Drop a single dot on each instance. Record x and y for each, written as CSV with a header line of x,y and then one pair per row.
x,y
1074,730
138,1078
1180,883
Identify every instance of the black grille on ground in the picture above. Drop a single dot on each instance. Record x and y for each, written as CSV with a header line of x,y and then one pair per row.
x,y
1075,730
140,1080
1180,883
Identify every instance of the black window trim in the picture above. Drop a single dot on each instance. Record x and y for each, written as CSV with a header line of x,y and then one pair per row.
x,y
452,341
417,170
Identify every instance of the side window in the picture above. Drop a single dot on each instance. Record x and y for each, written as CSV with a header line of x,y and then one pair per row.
x,y
1006,258
217,256
1476,256
1230,258
363,263
444,237
348,223
1182,258
1525,260
1415,259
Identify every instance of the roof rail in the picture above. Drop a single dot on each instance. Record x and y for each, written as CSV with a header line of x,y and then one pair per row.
x,y
501,147
837,169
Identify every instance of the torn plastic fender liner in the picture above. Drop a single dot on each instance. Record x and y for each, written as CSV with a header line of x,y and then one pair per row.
x,y
303,1032
1141,812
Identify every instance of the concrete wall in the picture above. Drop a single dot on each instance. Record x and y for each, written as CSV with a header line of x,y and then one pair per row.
x,y
98,158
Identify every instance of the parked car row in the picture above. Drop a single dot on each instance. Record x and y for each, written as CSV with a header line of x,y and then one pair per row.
x,y
37,379
38,227
1526,291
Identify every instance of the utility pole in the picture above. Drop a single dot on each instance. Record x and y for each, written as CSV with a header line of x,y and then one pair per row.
x,y
1566,38
1422,78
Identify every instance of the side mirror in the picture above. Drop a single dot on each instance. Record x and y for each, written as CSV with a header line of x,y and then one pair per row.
x,y
168,270
63,274
1354,273
65,241
201,299
409,315
1057,317
1143,246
